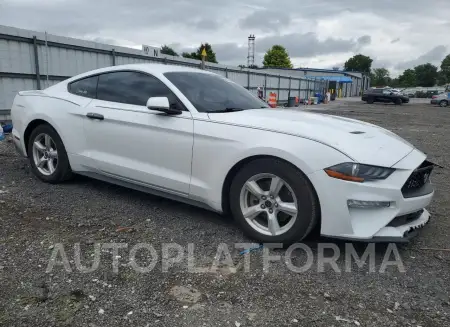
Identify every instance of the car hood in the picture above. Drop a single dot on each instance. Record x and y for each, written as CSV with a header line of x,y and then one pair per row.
x,y
360,141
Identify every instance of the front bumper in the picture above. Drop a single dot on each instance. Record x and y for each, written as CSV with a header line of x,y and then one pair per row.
x,y
373,224
398,233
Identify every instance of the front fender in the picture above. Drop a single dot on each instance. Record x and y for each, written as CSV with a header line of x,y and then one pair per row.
x,y
218,150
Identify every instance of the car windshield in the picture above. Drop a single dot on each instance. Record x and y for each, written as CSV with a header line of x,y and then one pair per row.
x,y
213,93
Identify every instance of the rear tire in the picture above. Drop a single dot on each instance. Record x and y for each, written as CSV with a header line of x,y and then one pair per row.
x,y
443,103
370,100
398,102
281,208
48,156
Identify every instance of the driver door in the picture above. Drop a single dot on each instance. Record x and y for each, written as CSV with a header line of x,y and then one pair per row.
x,y
127,141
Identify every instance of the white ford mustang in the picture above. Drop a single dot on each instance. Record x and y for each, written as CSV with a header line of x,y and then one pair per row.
x,y
197,137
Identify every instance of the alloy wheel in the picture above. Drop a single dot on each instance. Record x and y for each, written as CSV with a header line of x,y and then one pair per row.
x,y
268,204
45,154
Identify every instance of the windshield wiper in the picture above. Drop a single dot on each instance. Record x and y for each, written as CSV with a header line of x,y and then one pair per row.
x,y
228,109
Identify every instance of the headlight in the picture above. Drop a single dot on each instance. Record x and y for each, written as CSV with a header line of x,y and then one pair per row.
x,y
356,172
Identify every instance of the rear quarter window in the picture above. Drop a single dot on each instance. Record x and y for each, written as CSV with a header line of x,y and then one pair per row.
x,y
86,87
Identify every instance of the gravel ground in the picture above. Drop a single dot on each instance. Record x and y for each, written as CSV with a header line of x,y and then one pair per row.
x,y
35,217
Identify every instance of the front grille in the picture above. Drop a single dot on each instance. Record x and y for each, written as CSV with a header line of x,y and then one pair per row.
x,y
419,178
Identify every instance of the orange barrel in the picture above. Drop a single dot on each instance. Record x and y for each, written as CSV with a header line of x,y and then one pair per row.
x,y
273,100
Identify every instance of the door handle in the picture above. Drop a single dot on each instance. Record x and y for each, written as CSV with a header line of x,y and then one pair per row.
x,y
93,115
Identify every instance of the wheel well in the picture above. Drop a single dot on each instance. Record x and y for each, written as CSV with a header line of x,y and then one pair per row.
x,y
234,170
31,126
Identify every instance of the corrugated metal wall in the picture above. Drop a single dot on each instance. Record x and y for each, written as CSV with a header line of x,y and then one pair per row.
x,y
34,60
352,89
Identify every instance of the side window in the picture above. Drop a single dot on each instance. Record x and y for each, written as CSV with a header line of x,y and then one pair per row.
x,y
86,87
132,88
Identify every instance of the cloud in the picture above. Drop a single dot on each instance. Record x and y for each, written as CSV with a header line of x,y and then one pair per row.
x,y
229,53
434,56
206,24
364,40
265,20
381,63
306,45
392,8
314,32
77,17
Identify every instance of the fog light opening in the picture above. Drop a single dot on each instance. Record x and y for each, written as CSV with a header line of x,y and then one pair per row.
x,y
368,204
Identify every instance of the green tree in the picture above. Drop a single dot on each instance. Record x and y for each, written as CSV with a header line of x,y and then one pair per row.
x,y
380,77
407,78
210,54
277,56
442,78
359,63
165,49
445,68
426,75
394,82
188,55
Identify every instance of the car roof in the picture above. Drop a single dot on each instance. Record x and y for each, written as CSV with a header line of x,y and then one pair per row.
x,y
148,68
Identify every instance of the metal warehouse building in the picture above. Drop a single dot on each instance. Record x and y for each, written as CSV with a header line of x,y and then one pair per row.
x,y
344,83
36,60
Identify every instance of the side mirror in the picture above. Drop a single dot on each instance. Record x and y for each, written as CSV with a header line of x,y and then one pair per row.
x,y
162,104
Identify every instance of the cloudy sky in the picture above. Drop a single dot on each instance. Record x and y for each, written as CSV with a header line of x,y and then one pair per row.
x,y
397,34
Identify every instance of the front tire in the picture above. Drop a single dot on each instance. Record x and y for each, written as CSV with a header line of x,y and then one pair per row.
x,y
398,102
273,202
370,100
48,156
443,103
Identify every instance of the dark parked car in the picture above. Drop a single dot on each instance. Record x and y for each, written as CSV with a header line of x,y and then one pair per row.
x,y
384,95
430,94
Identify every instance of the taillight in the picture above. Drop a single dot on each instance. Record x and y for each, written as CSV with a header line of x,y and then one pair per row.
x,y
434,97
